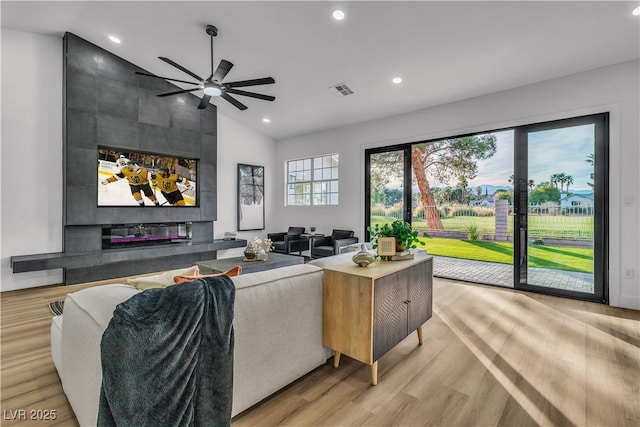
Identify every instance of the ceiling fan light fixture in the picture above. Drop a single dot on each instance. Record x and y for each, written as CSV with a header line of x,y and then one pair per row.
x,y
212,91
212,86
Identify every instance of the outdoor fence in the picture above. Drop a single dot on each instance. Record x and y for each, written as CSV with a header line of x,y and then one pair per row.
x,y
545,222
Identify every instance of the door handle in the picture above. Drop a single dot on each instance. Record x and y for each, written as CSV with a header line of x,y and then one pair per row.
x,y
522,245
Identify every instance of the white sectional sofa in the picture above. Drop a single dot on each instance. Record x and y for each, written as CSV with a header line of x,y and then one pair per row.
x,y
278,336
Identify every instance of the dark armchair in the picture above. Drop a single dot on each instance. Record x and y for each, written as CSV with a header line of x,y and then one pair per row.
x,y
288,241
329,245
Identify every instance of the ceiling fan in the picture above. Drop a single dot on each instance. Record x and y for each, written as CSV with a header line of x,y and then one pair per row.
x,y
213,85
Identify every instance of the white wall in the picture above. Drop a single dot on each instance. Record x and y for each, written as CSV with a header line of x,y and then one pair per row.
x,y
240,144
614,89
31,158
30,154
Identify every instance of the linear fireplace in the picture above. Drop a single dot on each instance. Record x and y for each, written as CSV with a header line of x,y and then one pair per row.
x,y
134,235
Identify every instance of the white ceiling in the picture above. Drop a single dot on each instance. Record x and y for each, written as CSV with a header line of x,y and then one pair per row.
x,y
444,51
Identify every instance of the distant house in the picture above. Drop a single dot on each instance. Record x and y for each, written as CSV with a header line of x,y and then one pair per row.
x,y
576,200
488,201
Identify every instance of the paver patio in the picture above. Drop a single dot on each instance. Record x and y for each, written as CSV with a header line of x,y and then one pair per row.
x,y
492,273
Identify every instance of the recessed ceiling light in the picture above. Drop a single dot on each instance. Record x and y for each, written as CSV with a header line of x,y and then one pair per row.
x,y
114,39
338,15
266,120
396,80
636,11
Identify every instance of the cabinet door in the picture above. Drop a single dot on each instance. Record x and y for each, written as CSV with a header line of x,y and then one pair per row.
x,y
420,294
390,312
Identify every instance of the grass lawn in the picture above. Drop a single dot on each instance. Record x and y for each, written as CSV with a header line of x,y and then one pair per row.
x,y
554,257
551,226
578,227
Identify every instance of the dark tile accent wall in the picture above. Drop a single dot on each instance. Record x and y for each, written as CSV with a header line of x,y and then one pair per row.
x,y
107,104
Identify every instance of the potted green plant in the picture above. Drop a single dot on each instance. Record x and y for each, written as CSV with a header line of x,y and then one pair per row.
x,y
406,238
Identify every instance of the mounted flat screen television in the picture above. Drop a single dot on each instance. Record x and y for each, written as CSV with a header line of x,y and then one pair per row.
x,y
132,178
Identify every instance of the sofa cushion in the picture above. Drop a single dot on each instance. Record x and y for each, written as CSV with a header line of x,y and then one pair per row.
x,y
162,280
235,271
97,303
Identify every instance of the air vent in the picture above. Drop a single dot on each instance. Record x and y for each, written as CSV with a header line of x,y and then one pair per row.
x,y
341,89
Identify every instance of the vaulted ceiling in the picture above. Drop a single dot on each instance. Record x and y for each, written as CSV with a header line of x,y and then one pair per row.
x,y
443,51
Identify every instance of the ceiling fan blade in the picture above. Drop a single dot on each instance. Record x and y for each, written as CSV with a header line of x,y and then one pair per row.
x,y
204,102
222,70
234,101
181,68
179,92
166,78
253,82
251,94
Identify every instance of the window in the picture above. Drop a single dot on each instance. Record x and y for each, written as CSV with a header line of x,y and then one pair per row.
x,y
313,181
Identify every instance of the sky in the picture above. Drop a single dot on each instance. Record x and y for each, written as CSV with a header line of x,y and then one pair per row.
x,y
561,150
497,169
555,151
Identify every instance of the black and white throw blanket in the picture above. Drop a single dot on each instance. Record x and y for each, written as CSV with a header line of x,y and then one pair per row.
x,y
167,357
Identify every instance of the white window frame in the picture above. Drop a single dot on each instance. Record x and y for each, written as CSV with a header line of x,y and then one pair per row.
x,y
312,181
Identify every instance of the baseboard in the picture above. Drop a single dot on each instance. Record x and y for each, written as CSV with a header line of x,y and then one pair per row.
x,y
629,301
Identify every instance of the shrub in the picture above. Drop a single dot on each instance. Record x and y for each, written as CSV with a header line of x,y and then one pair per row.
x,y
443,211
538,242
483,212
395,212
463,211
378,211
473,232
418,212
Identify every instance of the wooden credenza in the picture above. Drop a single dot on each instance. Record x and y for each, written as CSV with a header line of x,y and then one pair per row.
x,y
368,310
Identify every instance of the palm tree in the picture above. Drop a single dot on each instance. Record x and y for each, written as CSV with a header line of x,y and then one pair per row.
x,y
568,180
562,179
462,185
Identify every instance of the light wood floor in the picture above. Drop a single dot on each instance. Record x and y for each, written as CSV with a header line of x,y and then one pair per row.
x,y
491,357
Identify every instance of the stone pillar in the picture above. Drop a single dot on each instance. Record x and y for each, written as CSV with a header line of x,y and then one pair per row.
x,y
502,211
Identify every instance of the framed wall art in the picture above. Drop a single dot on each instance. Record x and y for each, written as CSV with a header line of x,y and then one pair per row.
x,y
250,197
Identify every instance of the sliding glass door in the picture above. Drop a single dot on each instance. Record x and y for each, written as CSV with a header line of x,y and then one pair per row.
x,y
560,207
524,207
387,187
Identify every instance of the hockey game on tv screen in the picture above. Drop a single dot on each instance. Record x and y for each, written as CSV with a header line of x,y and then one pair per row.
x,y
127,178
